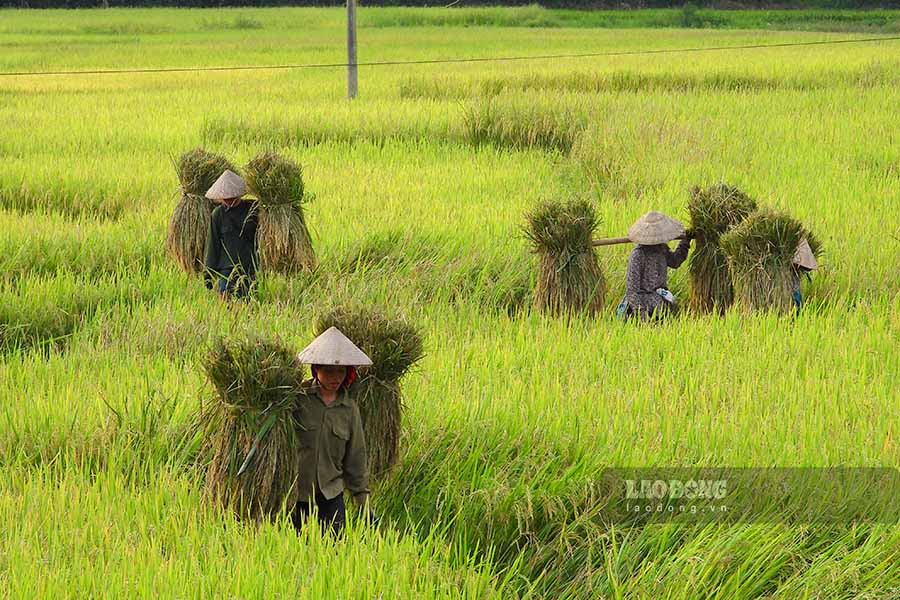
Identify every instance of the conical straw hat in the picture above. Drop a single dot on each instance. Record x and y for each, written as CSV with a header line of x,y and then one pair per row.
x,y
229,185
804,256
655,228
334,348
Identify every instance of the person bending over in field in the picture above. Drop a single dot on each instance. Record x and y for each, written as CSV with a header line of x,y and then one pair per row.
x,y
332,442
804,261
231,253
647,295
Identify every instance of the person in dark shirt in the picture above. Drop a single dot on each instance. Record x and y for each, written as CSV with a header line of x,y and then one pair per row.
x,y
231,251
647,294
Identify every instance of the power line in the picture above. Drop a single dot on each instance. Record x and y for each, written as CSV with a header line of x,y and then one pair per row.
x,y
437,61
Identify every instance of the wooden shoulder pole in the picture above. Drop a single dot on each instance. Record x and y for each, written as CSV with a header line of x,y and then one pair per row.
x,y
618,240
610,241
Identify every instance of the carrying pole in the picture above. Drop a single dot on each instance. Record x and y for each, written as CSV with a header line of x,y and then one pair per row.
x,y
618,240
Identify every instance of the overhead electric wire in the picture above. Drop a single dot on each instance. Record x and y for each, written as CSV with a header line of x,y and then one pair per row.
x,y
437,61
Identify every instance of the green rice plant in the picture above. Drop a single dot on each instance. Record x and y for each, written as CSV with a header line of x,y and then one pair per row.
x,y
71,199
512,415
569,275
52,245
383,121
249,428
394,346
510,122
43,313
163,540
713,211
499,284
189,226
619,158
456,88
285,245
389,251
760,254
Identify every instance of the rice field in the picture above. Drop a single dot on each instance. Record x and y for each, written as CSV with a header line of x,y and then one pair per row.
x,y
421,189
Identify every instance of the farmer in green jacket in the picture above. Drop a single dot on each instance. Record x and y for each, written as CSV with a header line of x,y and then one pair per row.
x,y
231,253
333,445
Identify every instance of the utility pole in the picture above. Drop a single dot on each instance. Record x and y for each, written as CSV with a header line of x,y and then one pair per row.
x,y
352,83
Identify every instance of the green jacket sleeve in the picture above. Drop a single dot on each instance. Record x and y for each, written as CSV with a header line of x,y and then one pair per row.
x,y
356,468
213,249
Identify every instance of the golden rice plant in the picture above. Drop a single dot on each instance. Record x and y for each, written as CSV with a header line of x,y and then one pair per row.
x,y
569,275
713,211
285,245
189,226
249,432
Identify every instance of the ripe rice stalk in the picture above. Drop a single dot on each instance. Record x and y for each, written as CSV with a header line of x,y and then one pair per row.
x,y
394,346
189,226
569,276
285,245
760,255
249,432
714,211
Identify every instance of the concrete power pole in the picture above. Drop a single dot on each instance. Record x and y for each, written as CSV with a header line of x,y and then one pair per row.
x,y
352,82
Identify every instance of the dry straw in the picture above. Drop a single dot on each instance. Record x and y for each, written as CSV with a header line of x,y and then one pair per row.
x,y
760,255
285,245
569,276
189,225
394,346
249,432
714,211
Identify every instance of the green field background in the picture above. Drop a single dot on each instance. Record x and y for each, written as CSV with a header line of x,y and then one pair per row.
x,y
421,186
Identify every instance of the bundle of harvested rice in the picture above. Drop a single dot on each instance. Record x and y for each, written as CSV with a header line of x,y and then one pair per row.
x,y
760,254
570,278
394,347
285,245
189,226
249,434
713,211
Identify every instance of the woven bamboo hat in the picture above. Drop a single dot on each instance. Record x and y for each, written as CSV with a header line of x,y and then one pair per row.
x,y
229,185
655,228
334,348
804,256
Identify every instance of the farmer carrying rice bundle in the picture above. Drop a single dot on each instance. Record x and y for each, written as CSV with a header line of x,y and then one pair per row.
x,y
767,253
231,252
332,442
189,226
646,291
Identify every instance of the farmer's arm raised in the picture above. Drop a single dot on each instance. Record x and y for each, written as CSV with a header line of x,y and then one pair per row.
x,y
356,469
674,259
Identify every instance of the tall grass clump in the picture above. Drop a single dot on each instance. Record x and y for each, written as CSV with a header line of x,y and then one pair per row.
x,y
285,245
569,276
189,226
519,124
713,211
249,434
394,346
760,254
